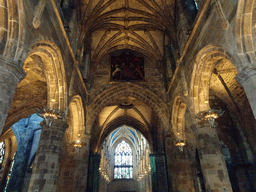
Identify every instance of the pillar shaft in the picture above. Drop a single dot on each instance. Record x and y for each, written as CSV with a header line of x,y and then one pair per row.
x,y
82,161
46,167
180,171
10,75
212,162
158,173
94,174
74,166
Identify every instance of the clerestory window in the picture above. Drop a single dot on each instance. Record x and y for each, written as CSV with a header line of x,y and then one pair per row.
x,y
123,168
191,9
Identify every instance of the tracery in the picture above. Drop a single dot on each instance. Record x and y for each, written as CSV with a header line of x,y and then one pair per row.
x,y
123,168
2,152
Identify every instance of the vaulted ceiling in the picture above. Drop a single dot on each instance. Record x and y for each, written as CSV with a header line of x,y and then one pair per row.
x,y
140,25
137,115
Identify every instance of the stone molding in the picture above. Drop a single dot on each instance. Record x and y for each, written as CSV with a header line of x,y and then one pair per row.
x,y
56,123
204,127
13,68
245,74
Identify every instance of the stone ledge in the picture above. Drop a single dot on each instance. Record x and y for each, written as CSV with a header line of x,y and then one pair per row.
x,y
13,68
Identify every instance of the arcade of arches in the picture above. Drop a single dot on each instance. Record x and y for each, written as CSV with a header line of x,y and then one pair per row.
x,y
128,95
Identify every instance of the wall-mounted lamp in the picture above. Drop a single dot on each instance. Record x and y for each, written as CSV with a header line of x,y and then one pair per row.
x,y
210,115
50,114
77,145
180,144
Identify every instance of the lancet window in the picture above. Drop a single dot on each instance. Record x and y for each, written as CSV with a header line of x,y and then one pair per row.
x,y
2,152
123,168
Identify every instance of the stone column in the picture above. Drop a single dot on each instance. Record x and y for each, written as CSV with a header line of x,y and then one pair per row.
x,y
158,172
179,165
94,174
82,168
46,167
74,166
10,75
24,132
212,162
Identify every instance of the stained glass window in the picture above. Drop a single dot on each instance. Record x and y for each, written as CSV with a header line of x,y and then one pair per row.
x,y
10,172
123,168
2,152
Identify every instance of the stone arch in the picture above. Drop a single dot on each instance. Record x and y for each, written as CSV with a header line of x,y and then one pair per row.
x,y
76,120
205,62
53,68
178,118
21,114
246,33
129,121
12,29
112,94
119,140
76,150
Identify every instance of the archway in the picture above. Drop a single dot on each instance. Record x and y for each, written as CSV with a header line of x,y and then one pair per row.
x,y
128,104
11,52
214,76
125,163
10,147
205,62
44,85
74,164
48,57
112,96
12,29
178,150
75,120
245,34
178,119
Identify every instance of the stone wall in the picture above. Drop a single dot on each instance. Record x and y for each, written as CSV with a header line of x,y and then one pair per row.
x,y
123,185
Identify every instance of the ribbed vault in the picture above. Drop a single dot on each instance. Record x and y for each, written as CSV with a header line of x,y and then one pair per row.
x,y
139,25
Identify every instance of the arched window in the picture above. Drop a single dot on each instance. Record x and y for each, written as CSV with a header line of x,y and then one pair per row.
x,y
2,152
10,171
123,168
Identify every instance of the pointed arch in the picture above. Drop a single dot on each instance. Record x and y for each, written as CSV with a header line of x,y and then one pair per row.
x,y
12,29
245,33
118,122
109,96
205,62
53,68
76,119
178,118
